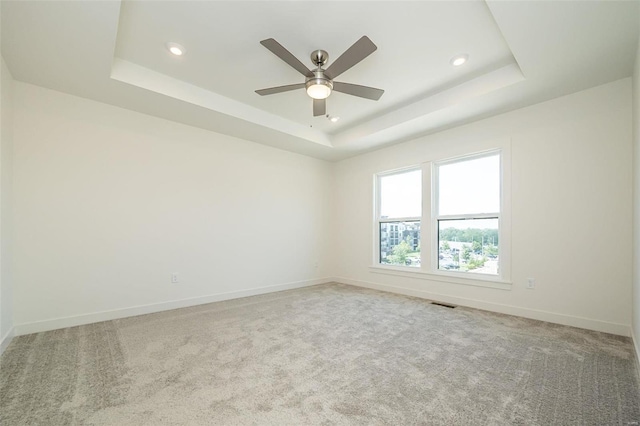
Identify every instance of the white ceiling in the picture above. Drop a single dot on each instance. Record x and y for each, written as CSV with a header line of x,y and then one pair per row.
x,y
520,53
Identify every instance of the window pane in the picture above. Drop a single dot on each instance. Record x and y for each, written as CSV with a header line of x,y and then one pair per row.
x,y
468,245
471,186
401,195
400,243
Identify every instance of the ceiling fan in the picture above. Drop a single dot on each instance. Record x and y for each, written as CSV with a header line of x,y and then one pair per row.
x,y
319,82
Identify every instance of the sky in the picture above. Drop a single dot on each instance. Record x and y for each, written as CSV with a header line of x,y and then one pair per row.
x,y
465,187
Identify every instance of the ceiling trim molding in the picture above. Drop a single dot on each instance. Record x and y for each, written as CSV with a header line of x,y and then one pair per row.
x,y
136,75
414,118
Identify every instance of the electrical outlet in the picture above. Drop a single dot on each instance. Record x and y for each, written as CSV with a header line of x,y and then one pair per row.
x,y
531,283
174,278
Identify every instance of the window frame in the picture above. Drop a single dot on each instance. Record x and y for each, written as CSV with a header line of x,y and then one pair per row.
x,y
378,219
428,268
436,217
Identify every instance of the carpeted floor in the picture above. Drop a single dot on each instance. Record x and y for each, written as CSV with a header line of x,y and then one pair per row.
x,y
329,354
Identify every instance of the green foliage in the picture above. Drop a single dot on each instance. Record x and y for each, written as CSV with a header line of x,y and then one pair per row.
x,y
491,250
466,253
476,263
400,252
489,236
446,246
476,246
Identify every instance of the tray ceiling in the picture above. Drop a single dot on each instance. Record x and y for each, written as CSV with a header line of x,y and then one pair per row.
x,y
519,53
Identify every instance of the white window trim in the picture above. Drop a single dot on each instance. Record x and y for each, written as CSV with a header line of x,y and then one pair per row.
x,y
377,219
435,217
448,277
428,268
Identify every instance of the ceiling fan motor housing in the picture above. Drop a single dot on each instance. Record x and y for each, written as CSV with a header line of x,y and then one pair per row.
x,y
318,78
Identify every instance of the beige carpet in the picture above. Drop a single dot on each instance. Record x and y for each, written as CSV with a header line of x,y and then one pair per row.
x,y
329,354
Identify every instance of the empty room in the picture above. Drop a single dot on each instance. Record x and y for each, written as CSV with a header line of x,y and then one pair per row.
x,y
319,212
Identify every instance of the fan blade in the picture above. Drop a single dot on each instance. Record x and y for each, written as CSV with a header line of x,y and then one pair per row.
x,y
357,52
282,53
319,107
279,89
357,90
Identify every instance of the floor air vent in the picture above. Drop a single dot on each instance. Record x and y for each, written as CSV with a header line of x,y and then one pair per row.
x,y
443,304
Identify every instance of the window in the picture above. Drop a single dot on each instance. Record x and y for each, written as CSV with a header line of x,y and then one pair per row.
x,y
467,214
398,218
464,202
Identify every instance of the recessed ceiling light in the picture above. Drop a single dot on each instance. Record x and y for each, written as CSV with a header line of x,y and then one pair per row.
x,y
458,60
175,48
333,119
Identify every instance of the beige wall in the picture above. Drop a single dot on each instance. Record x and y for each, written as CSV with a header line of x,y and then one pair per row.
x,y
109,203
6,142
636,202
571,210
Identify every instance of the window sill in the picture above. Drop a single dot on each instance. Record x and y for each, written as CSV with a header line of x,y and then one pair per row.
x,y
477,281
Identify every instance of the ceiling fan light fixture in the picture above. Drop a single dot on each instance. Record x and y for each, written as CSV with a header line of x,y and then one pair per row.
x,y
318,91
319,88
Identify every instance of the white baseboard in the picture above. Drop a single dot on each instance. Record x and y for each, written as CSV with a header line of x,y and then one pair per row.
x,y
574,321
57,323
6,339
72,321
